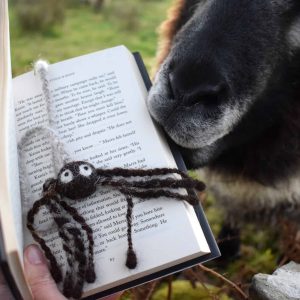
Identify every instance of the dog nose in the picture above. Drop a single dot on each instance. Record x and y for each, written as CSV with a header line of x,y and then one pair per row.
x,y
197,83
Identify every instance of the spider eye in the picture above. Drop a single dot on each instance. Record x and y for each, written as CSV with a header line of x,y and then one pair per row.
x,y
85,170
66,176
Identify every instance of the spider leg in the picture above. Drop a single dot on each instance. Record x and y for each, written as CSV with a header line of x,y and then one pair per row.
x,y
172,183
77,262
140,173
72,242
150,193
45,201
73,245
68,281
81,274
131,260
90,275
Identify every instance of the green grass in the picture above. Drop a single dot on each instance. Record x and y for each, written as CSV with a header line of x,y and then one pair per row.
x,y
183,290
85,31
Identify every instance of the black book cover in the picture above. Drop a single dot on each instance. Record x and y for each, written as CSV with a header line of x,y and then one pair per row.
x,y
198,209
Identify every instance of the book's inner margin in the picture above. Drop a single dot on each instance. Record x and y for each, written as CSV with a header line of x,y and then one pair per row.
x,y
101,115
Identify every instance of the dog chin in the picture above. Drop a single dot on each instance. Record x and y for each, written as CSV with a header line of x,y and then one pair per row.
x,y
182,138
201,157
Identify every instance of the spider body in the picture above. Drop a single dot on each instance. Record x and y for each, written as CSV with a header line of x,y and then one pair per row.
x,y
79,179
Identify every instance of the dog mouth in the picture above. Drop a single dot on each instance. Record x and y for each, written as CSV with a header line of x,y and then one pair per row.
x,y
183,124
187,131
196,125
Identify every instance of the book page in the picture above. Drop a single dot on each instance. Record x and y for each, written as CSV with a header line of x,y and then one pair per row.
x,y
10,201
100,113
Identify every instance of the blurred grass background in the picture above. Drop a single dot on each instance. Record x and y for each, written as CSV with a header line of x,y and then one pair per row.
x,y
60,29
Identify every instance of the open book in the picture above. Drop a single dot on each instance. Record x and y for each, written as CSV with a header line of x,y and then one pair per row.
x,y
100,113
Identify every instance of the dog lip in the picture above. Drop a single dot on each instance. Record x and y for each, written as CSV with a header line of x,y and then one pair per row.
x,y
171,114
161,113
180,142
182,135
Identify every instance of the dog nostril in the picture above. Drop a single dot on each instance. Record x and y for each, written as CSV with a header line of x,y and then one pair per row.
x,y
172,87
206,94
202,84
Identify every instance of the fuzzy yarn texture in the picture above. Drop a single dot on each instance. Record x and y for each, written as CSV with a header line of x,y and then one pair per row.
x,y
80,179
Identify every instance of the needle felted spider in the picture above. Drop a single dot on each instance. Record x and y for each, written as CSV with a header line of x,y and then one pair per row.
x,y
79,179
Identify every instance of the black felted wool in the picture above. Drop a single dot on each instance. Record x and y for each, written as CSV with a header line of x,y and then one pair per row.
x,y
77,180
